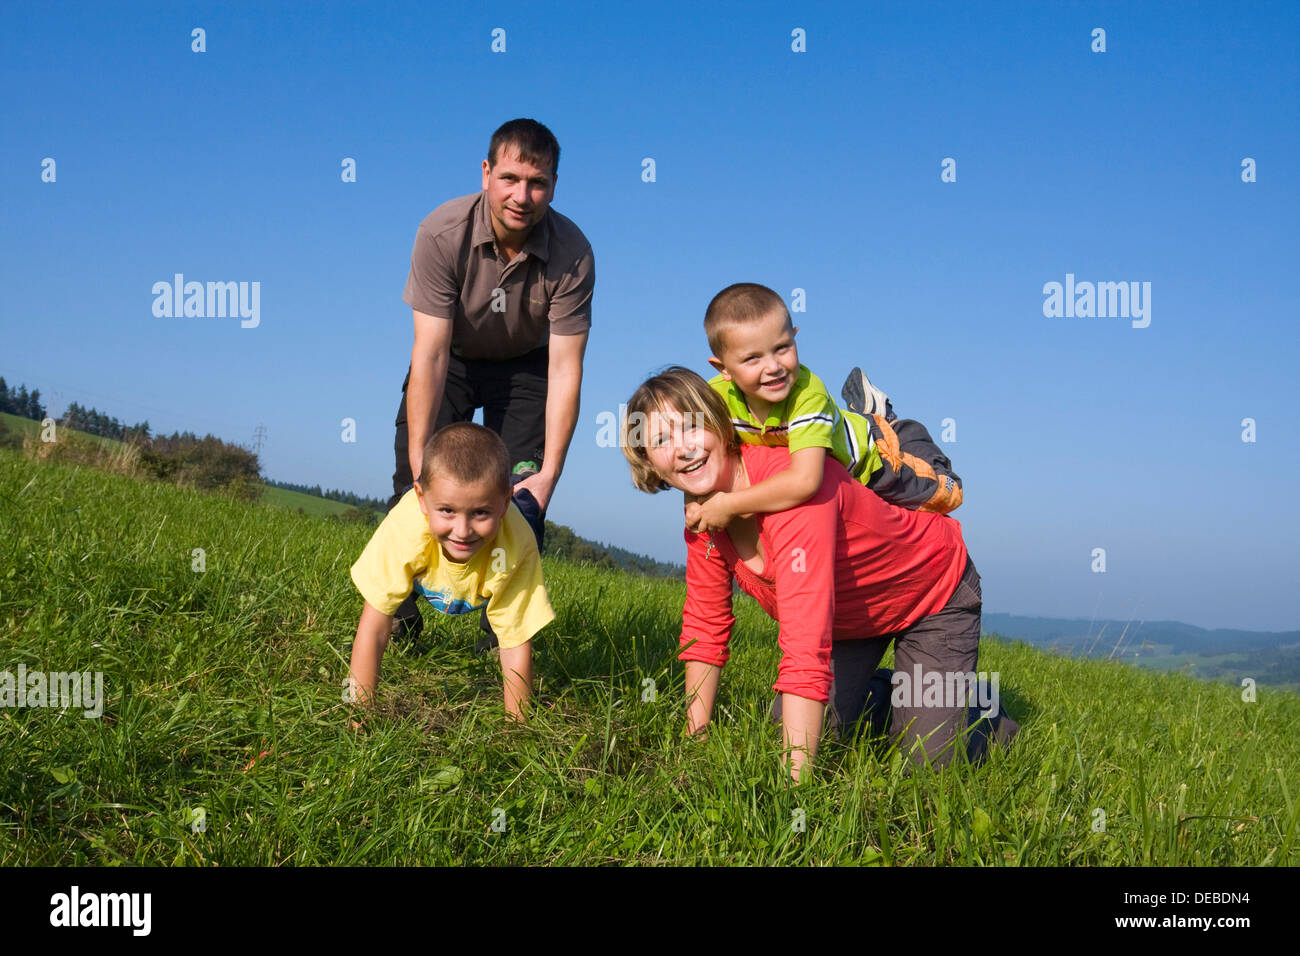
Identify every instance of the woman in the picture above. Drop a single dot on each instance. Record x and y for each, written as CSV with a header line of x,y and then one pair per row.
x,y
845,574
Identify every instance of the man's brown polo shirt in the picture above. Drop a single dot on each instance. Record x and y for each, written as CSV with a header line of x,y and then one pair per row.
x,y
455,270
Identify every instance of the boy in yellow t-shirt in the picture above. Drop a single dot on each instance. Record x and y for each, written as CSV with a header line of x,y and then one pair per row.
x,y
460,540
774,400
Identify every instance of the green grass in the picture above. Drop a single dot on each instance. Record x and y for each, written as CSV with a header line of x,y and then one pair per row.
x,y
205,671
30,427
279,497
320,507
20,425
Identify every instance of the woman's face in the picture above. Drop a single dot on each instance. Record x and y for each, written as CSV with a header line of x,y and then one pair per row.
x,y
688,456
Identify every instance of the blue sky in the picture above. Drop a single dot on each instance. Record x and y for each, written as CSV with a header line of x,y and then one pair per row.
x,y
817,170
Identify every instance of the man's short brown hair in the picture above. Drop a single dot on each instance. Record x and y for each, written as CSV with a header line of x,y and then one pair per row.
x,y
738,304
536,144
683,391
467,454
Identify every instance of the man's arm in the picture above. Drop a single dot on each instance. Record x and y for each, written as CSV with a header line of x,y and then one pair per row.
x,y
786,489
563,385
429,356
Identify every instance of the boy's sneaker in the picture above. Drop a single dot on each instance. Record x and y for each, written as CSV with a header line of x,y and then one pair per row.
x,y
862,397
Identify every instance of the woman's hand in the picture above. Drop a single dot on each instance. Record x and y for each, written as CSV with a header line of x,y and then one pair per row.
x,y
710,514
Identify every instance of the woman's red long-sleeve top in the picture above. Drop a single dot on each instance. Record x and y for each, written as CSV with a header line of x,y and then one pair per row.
x,y
843,565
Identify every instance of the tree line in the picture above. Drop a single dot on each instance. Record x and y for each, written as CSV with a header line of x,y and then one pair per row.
x,y
27,404
21,402
95,422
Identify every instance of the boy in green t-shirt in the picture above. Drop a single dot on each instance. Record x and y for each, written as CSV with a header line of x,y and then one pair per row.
x,y
458,539
774,400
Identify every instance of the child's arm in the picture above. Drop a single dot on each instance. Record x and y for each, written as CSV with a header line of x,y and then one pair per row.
x,y
786,489
367,651
517,678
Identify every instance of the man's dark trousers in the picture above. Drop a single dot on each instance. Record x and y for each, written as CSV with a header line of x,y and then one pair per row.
x,y
512,394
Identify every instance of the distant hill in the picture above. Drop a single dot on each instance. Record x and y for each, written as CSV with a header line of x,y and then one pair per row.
x,y
345,498
1266,657
562,542
1077,635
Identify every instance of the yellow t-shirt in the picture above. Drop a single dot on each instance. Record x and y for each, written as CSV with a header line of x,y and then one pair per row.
x,y
504,575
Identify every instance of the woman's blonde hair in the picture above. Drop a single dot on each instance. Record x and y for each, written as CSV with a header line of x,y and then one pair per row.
x,y
680,390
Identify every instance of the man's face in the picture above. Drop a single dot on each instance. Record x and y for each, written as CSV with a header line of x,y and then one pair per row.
x,y
462,516
518,193
761,358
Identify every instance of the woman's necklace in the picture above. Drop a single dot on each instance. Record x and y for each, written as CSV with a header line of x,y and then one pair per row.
x,y
739,476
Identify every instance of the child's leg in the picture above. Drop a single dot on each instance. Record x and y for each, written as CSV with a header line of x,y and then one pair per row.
x,y
915,473
863,398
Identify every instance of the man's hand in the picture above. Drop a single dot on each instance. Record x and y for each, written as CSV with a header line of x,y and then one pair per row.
x,y
541,485
711,514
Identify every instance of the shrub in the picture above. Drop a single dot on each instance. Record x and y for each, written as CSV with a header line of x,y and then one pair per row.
x,y
78,449
206,463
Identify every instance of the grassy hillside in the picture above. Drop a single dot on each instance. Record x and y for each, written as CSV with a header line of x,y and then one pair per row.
x,y
223,691
16,423
284,498
26,427
279,497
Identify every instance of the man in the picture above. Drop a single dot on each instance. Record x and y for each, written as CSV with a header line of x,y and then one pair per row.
x,y
500,287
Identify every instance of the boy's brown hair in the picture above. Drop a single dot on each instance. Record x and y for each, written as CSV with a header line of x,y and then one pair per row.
x,y
466,453
683,391
735,305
